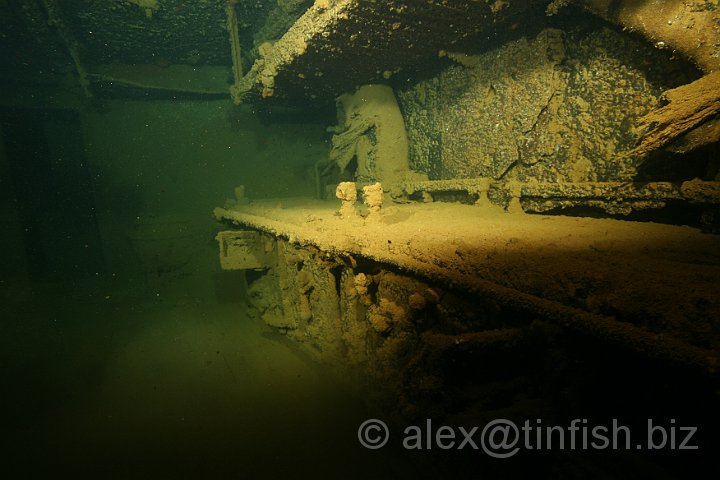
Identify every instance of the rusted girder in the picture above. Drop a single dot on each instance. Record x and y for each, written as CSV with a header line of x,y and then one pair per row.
x,y
338,45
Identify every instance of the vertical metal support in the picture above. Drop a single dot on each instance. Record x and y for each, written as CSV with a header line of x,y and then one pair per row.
x,y
55,19
232,26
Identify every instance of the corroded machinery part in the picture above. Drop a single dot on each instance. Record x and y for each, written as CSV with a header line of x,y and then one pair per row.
x,y
372,131
373,198
346,192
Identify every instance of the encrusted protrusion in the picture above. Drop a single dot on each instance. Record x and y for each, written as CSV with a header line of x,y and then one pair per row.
x,y
373,198
347,193
516,192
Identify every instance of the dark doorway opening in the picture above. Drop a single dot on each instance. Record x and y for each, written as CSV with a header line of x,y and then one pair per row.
x,y
52,189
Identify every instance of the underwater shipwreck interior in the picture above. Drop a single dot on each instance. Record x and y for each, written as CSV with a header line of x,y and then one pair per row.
x,y
360,238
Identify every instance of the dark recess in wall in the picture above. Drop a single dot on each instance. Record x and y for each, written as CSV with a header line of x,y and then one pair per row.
x,y
52,188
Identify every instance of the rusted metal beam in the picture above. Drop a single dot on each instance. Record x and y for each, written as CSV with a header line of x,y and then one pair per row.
x,y
615,197
339,45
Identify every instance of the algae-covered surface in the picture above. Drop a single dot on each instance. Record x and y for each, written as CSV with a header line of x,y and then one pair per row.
x,y
377,156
